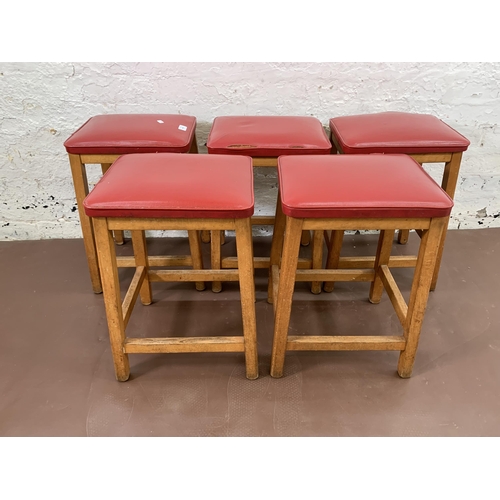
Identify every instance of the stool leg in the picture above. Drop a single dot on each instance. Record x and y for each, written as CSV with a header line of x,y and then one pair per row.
x,y
81,191
449,184
118,234
285,293
306,238
244,251
195,248
382,258
439,256
215,257
276,249
205,236
403,235
112,298
332,261
450,175
141,259
317,259
419,294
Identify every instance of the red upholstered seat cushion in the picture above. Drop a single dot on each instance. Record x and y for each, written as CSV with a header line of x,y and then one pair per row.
x,y
267,136
135,133
354,186
173,185
393,132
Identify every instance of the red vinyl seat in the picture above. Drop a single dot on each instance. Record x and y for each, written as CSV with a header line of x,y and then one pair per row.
x,y
337,193
396,132
171,185
355,186
133,133
268,136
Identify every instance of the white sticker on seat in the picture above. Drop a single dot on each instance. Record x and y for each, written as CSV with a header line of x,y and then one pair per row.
x,y
182,127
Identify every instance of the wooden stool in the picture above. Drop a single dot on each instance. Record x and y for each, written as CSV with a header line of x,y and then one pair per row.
x,y
424,137
169,191
264,138
104,138
383,192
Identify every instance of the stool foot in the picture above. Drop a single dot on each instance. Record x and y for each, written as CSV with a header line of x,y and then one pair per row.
x,y
404,374
252,375
123,378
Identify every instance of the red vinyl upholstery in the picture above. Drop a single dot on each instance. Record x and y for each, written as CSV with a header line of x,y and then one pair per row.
x,y
267,136
173,185
353,186
133,133
394,132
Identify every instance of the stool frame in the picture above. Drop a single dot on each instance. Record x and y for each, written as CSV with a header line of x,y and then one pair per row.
x,y
284,273
118,312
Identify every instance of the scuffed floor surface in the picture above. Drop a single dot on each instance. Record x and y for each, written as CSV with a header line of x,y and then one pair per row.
x,y
57,379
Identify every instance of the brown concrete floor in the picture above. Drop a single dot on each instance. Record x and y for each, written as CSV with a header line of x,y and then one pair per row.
x,y
57,379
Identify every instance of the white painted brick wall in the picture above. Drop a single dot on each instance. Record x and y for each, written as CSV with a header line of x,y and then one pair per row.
x,y
43,103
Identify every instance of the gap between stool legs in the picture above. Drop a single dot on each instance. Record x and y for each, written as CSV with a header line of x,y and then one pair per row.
x,y
283,309
424,270
112,298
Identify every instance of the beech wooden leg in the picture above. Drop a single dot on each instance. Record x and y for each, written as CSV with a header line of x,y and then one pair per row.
x,y
80,184
419,294
450,175
439,256
285,293
449,184
403,235
215,257
332,261
205,236
141,259
112,299
382,258
244,251
317,259
195,248
276,246
119,239
306,238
